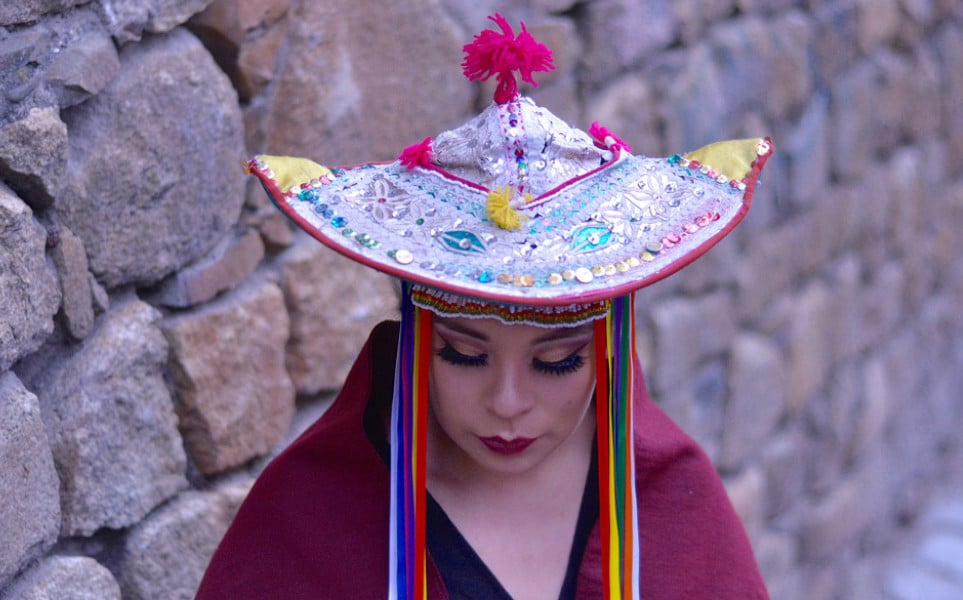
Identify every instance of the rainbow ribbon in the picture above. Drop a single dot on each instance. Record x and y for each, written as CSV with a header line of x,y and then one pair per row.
x,y
619,526
409,418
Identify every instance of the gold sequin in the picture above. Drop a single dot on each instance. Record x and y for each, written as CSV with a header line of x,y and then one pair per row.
x,y
584,275
556,278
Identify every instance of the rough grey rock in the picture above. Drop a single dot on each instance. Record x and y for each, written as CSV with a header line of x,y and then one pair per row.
x,y
166,555
620,34
65,578
28,287
234,399
765,62
29,493
747,492
688,331
810,354
77,305
25,11
23,53
854,100
244,36
129,20
757,399
625,107
333,304
165,15
878,22
111,422
949,46
154,175
808,151
83,68
837,27
353,82
833,520
33,156
231,261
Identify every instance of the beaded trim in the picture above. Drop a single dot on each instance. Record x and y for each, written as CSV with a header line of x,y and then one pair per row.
x,y
448,304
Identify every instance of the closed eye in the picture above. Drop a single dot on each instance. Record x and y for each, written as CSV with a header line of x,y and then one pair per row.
x,y
571,363
448,354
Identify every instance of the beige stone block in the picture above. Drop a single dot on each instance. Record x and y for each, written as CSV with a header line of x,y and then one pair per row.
x,y
333,303
234,399
33,156
833,521
757,400
355,88
878,22
110,421
73,577
747,492
165,555
810,351
29,488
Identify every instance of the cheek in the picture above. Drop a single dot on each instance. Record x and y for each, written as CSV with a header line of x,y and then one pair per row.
x,y
449,391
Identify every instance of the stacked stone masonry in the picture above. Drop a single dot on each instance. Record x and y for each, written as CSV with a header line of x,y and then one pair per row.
x,y
161,327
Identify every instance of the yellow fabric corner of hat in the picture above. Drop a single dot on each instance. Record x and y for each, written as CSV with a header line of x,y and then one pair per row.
x,y
289,170
732,158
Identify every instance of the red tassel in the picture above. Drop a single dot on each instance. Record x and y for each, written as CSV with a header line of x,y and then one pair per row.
x,y
501,54
417,155
600,133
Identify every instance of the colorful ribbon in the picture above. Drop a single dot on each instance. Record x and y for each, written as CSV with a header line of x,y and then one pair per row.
x,y
409,419
615,373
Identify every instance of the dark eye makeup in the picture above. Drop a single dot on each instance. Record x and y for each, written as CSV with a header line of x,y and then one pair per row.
x,y
448,354
571,363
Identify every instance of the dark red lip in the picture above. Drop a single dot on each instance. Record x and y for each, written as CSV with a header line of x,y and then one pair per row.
x,y
500,445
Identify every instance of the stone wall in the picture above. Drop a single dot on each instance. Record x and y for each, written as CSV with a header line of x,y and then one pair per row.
x,y
162,326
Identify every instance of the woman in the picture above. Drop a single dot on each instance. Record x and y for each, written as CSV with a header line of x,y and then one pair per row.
x,y
500,443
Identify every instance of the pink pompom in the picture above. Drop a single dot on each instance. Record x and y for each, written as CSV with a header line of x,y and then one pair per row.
x,y
501,54
606,138
417,155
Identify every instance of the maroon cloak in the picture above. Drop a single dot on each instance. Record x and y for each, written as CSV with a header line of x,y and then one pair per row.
x,y
315,524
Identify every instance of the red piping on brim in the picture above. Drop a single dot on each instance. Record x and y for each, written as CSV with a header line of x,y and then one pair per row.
x,y
279,199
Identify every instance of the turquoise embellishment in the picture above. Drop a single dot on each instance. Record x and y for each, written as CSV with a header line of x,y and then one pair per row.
x,y
590,237
462,241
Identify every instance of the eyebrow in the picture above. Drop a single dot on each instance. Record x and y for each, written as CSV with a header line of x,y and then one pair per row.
x,y
551,335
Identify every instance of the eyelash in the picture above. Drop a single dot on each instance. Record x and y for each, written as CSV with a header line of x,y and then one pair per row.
x,y
571,363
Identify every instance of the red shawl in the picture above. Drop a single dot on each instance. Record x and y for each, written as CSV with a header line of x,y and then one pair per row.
x,y
315,525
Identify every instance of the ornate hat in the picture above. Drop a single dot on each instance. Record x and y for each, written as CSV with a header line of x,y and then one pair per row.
x,y
518,207
520,216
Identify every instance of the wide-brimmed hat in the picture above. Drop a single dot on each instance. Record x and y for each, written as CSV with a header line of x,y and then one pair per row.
x,y
518,207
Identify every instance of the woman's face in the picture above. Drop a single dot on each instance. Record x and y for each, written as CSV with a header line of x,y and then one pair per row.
x,y
505,397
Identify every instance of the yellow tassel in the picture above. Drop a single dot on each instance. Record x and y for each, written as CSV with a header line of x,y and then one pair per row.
x,y
499,209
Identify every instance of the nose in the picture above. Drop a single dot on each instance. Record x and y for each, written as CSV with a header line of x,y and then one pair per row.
x,y
509,396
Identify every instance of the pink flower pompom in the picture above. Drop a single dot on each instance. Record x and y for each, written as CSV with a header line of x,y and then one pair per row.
x,y
608,139
501,54
417,155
